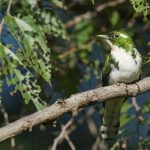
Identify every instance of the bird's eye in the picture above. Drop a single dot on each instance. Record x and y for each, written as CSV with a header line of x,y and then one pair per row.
x,y
116,36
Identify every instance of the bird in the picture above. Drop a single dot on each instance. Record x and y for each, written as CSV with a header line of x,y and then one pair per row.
x,y
123,64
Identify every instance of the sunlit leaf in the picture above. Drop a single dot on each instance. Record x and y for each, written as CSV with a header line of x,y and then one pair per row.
x,y
141,6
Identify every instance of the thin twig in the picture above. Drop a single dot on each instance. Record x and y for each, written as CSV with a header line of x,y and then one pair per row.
x,y
9,7
74,49
139,117
80,121
75,126
91,124
99,144
135,104
7,13
72,146
6,120
91,14
137,108
1,25
61,135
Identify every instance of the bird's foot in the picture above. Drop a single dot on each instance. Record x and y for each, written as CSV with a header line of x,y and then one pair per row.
x,y
126,86
138,87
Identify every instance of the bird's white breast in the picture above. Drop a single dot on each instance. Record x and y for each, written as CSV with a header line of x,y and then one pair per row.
x,y
129,68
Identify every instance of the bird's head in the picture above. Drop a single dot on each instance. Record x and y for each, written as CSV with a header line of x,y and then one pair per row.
x,y
118,38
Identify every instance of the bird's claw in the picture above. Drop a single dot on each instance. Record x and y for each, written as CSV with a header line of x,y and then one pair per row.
x,y
139,90
126,87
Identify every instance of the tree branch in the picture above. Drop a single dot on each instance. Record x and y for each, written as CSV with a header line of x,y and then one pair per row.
x,y
90,14
61,135
72,105
7,13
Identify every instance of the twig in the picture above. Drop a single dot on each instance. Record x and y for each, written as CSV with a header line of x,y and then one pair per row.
x,y
80,121
72,104
91,124
1,25
132,20
72,146
91,14
138,109
75,125
7,13
61,135
8,8
6,120
139,117
135,105
74,49
99,144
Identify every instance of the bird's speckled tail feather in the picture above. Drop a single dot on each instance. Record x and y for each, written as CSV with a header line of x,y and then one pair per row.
x,y
111,119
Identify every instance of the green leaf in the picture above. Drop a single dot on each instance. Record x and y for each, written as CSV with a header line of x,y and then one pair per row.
x,y
124,119
93,2
23,25
9,53
26,58
126,106
34,48
83,29
114,18
141,6
32,2
59,3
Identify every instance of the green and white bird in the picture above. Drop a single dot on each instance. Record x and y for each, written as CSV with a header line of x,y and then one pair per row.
x,y
122,65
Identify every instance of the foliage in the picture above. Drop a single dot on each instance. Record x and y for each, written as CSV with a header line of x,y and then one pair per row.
x,y
32,60
52,58
141,6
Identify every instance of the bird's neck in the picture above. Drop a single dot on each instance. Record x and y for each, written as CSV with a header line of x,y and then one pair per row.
x,y
115,49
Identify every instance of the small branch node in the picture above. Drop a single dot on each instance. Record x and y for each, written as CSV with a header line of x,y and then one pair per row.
x,y
62,103
91,96
74,111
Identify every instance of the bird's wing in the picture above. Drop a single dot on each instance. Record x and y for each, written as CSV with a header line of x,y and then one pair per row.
x,y
106,70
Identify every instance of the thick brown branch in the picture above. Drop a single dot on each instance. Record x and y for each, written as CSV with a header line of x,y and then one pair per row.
x,y
72,105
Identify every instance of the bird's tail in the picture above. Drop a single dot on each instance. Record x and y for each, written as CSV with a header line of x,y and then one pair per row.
x,y
111,118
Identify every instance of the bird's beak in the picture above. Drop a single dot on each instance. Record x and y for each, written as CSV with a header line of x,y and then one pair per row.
x,y
105,37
